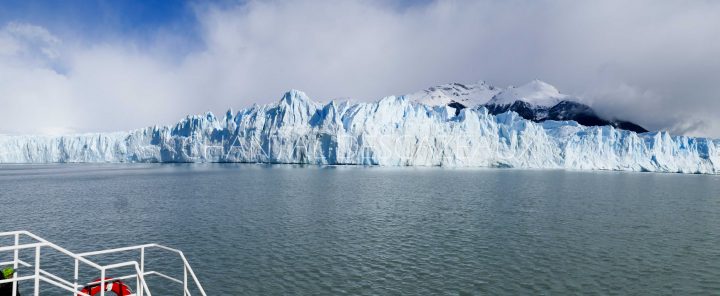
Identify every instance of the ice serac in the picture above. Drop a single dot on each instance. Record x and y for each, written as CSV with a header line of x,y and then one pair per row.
x,y
394,131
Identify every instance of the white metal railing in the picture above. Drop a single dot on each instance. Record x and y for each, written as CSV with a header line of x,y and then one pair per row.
x,y
40,275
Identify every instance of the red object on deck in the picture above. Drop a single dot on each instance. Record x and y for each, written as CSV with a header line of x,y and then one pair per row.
x,y
117,287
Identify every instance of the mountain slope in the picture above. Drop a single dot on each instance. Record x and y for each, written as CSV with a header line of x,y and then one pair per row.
x,y
536,101
466,95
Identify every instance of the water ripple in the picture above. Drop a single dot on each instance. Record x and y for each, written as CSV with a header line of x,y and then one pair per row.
x,y
273,230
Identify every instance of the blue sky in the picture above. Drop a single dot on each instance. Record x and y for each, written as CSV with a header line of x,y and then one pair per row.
x,y
80,66
138,19
97,20
100,16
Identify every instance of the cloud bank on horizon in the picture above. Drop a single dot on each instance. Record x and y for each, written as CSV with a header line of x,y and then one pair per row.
x,y
653,62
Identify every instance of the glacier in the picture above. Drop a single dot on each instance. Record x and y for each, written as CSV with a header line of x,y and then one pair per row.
x,y
394,131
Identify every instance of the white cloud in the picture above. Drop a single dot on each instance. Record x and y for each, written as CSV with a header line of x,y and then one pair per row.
x,y
23,39
654,62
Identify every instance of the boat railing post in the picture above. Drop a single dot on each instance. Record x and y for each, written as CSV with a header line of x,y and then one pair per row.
x,y
142,271
102,281
16,260
142,260
37,271
137,282
140,281
76,275
185,284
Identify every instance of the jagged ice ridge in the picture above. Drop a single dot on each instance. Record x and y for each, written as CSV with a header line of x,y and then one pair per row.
x,y
395,131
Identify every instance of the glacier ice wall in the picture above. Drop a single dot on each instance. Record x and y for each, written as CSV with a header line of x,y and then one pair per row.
x,y
393,132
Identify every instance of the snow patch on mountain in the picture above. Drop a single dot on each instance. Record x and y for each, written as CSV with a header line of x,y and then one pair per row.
x,y
536,93
466,94
537,101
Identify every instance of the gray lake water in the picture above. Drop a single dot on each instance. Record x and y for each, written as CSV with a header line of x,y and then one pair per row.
x,y
272,230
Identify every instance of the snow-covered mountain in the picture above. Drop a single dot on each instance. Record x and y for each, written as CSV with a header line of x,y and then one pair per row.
x,y
468,95
536,101
395,131
536,92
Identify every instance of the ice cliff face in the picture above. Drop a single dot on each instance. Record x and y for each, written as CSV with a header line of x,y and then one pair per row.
x,y
394,131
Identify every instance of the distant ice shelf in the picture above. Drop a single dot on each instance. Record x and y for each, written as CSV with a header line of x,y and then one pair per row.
x,y
394,131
